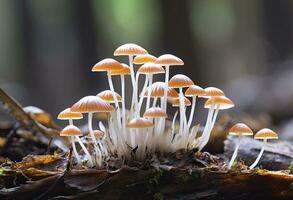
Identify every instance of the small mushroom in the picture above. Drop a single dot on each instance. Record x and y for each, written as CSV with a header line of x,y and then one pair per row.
x,y
144,58
239,130
265,135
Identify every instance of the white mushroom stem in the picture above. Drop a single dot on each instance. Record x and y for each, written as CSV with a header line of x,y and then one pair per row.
x,y
98,152
206,132
134,95
155,101
167,69
83,147
191,111
259,155
181,110
234,154
142,94
75,151
150,78
123,100
115,98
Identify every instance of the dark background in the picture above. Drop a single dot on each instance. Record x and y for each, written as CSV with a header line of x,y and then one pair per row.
x,y
47,47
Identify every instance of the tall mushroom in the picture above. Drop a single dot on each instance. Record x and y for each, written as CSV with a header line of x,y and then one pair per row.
x,y
70,116
109,65
144,58
131,50
265,135
239,130
90,105
180,81
214,104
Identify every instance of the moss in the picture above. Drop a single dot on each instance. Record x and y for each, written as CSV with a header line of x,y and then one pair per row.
x,y
291,168
158,196
291,186
153,181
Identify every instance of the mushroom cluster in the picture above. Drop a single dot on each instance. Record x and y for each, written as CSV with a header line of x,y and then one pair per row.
x,y
241,130
140,131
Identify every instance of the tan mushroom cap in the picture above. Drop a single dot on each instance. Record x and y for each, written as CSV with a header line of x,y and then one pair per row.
x,y
97,133
213,92
107,95
71,130
129,49
195,90
176,102
157,90
266,134
124,71
155,112
180,81
68,114
240,129
145,58
139,123
221,102
91,104
107,64
151,68
168,59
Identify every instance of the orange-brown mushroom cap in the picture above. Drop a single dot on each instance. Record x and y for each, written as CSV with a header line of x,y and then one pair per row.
x,y
107,95
151,68
180,81
107,64
124,71
71,130
139,123
176,102
155,112
91,104
144,58
266,134
168,59
221,102
129,49
157,90
194,90
213,92
68,114
240,129
97,133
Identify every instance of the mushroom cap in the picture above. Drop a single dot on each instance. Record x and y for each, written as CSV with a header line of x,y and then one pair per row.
x,y
124,71
144,58
213,92
107,95
151,68
129,49
38,114
195,90
157,90
155,112
91,104
266,133
222,102
68,114
168,59
176,102
107,64
139,123
240,129
71,130
180,81
97,133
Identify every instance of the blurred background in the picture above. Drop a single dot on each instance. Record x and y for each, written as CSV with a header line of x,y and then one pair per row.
x,y
48,47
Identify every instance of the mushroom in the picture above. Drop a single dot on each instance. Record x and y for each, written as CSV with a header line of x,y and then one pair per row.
x,y
149,69
71,131
214,104
109,65
180,81
107,95
100,135
239,130
131,50
90,105
144,58
193,91
265,135
140,124
70,116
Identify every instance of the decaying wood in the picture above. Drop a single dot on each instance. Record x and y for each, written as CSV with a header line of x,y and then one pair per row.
x,y
278,155
16,111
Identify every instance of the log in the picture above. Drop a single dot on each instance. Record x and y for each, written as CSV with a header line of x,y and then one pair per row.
x,y
278,155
